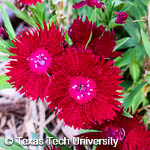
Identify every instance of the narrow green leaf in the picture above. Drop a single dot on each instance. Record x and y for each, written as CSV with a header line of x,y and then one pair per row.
x,y
93,16
121,42
129,44
63,147
38,19
118,2
3,82
88,40
3,58
146,42
86,131
8,24
15,146
129,100
126,114
49,134
5,44
147,78
42,7
68,39
94,147
20,14
133,29
3,50
125,60
53,19
145,101
135,71
137,101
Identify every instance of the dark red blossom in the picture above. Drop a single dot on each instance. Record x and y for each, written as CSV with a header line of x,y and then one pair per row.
x,y
29,2
137,139
90,3
102,42
86,89
130,132
35,53
3,34
121,17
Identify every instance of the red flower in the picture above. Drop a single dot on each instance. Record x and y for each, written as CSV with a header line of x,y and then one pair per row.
x,y
121,18
90,3
85,90
3,34
130,133
137,139
36,51
30,2
102,42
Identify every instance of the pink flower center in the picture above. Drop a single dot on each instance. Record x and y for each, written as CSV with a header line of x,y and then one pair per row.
x,y
82,89
40,61
115,133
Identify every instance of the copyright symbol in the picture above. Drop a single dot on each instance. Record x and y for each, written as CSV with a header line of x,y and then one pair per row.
x,y
8,141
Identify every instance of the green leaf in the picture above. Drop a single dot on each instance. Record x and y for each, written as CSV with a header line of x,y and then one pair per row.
x,y
118,2
5,44
68,39
125,60
133,29
93,16
87,130
36,17
145,101
88,40
132,98
126,84
129,44
53,19
147,78
135,71
126,6
126,114
3,50
39,16
20,14
137,101
42,8
3,58
3,82
121,42
8,24
146,42
94,147
15,146
63,147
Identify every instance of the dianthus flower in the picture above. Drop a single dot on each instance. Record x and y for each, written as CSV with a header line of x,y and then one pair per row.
x,y
102,42
130,133
85,90
121,17
35,52
90,3
30,2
